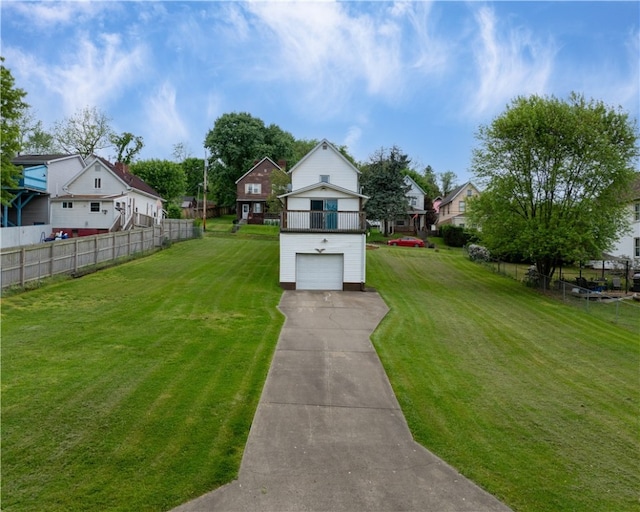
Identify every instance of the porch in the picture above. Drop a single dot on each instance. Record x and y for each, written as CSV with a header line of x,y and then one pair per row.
x,y
306,221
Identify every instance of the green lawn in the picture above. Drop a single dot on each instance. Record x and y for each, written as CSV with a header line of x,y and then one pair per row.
x,y
534,400
133,388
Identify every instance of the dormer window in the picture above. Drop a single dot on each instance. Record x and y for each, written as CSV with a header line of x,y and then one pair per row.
x,y
324,178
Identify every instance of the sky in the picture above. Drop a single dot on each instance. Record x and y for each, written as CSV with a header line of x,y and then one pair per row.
x,y
423,76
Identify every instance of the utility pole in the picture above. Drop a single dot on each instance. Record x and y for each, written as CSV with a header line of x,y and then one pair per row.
x,y
204,193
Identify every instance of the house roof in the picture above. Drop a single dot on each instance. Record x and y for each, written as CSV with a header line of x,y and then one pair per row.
x,y
41,159
414,184
452,195
323,185
319,145
258,164
131,180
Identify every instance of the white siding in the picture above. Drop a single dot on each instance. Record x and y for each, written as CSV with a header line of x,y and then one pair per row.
x,y
60,172
352,246
625,246
321,162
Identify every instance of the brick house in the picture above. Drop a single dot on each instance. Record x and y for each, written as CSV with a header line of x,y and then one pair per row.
x,y
253,189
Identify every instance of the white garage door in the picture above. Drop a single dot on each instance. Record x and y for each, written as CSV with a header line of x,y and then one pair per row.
x,y
319,271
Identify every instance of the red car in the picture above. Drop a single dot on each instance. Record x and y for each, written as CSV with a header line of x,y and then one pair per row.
x,y
407,241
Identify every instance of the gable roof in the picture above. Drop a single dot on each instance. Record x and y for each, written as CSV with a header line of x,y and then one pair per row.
x,y
121,172
258,164
322,144
323,185
413,183
452,195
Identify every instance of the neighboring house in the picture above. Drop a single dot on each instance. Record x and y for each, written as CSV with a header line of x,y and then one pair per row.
x,y
415,219
43,178
452,208
104,197
323,225
628,245
253,189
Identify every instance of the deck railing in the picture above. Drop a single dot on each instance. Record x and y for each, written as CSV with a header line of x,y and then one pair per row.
x,y
323,221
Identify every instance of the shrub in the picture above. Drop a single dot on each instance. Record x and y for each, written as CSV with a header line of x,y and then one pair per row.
x,y
478,253
454,236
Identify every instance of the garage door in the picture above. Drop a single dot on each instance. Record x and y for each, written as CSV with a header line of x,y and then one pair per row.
x,y
319,271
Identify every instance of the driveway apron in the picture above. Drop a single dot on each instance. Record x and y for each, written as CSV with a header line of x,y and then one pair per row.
x,y
328,434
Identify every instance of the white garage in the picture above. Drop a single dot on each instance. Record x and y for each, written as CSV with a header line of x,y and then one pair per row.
x,y
319,271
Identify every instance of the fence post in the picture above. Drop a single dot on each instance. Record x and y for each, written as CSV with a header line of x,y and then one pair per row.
x,y
23,258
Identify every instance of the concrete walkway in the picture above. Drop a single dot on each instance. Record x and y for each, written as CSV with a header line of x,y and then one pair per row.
x,y
328,434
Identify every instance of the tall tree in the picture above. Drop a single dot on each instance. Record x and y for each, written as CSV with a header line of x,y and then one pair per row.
x,y
38,141
12,108
383,181
165,176
194,174
86,132
448,182
556,175
127,146
235,143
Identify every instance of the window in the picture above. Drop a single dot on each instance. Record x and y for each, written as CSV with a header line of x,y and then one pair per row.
x,y
97,183
253,188
469,192
324,178
636,249
636,211
257,207
461,206
95,207
413,201
67,204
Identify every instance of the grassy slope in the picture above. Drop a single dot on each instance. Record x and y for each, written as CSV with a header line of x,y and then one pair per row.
x,y
535,401
134,388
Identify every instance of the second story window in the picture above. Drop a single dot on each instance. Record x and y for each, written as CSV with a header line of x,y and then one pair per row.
x,y
94,207
469,192
253,188
413,201
636,211
97,183
461,206
67,204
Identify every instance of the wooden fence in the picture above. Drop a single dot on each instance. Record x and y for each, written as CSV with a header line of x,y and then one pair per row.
x,y
21,265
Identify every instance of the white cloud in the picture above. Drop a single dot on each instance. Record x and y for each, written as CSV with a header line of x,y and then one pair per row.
x,y
508,65
334,53
51,15
353,137
164,122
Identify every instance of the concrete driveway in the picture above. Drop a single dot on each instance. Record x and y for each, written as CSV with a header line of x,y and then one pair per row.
x,y
328,434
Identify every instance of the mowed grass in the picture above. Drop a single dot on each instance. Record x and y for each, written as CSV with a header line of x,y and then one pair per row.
x,y
535,401
134,388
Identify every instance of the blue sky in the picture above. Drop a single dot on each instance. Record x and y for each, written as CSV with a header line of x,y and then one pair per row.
x,y
420,75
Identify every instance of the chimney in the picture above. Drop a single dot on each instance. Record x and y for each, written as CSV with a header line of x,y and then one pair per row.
x,y
282,164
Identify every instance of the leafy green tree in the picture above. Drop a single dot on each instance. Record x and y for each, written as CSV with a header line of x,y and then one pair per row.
x,y
194,174
280,179
86,132
165,176
38,141
382,180
430,180
557,175
448,182
12,108
236,141
127,146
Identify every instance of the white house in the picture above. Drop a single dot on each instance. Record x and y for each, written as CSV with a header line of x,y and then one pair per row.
x,y
415,219
323,225
628,245
104,197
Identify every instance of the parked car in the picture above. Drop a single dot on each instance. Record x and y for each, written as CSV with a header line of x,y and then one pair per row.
x,y
406,241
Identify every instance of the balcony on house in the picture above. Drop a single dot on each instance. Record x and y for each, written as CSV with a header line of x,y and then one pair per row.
x,y
34,178
317,221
